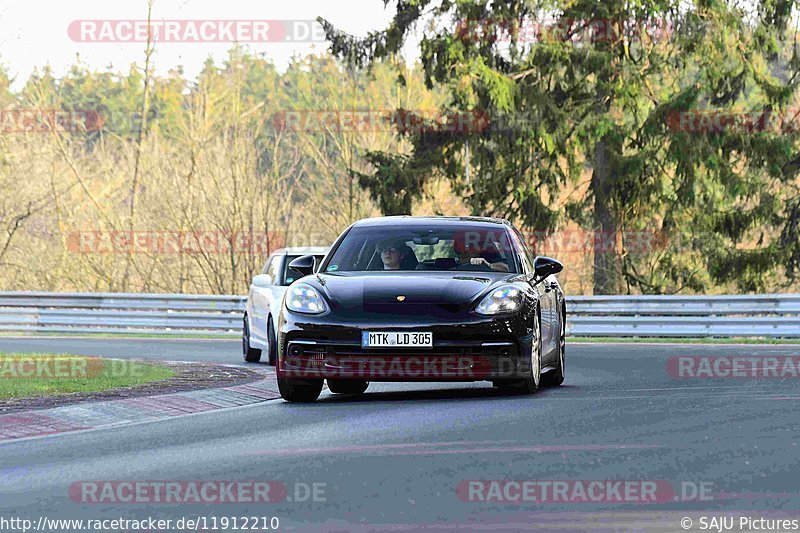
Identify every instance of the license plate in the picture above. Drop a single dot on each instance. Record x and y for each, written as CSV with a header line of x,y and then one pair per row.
x,y
394,339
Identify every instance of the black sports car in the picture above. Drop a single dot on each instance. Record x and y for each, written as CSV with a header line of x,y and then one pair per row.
x,y
422,299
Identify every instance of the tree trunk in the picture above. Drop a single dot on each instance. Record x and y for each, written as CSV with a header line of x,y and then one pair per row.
x,y
607,246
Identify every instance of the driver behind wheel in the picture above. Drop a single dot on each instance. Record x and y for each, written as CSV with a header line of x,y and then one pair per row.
x,y
397,255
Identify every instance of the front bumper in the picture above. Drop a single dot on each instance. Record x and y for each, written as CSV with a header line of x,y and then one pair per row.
x,y
471,349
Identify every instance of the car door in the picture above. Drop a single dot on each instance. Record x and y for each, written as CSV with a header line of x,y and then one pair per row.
x,y
261,298
547,305
553,323
558,304
274,295
284,276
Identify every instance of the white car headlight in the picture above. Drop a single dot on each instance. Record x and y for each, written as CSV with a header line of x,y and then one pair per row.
x,y
303,298
504,299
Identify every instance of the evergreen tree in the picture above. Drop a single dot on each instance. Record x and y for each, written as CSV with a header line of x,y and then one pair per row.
x,y
611,89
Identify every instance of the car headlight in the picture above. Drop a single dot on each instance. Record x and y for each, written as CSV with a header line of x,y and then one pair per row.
x,y
303,298
505,299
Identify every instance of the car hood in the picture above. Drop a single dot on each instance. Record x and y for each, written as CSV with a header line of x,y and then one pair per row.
x,y
379,291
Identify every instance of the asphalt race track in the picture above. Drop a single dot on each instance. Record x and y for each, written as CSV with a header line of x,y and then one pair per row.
x,y
400,457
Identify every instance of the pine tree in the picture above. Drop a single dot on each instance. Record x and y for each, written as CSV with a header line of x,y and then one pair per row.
x,y
614,90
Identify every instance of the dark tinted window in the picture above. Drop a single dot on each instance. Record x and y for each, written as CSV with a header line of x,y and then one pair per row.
x,y
434,247
524,252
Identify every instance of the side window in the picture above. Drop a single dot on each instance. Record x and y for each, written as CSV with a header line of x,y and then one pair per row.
x,y
524,252
273,270
267,264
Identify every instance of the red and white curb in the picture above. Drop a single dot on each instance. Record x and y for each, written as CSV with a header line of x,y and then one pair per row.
x,y
94,415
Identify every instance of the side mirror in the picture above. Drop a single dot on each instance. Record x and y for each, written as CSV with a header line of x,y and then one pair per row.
x,y
303,264
262,280
546,266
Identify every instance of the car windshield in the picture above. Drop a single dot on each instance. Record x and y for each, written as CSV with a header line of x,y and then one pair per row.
x,y
434,248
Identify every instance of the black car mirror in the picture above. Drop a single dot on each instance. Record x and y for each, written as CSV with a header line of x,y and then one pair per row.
x,y
304,265
545,266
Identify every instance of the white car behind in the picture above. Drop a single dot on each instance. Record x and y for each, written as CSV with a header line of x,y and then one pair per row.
x,y
265,298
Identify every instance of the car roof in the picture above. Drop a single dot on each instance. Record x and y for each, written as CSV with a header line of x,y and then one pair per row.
x,y
425,220
302,250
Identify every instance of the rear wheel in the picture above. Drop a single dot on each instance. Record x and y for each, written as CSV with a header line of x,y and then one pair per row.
x,y
299,390
251,355
348,386
555,377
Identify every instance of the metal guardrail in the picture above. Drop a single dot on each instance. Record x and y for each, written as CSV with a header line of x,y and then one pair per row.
x,y
775,315
761,315
115,313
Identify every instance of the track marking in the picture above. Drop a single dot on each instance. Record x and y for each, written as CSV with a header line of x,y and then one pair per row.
x,y
421,448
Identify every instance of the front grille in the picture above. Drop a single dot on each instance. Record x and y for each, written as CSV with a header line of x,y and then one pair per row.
x,y
353,351
350,361
320,350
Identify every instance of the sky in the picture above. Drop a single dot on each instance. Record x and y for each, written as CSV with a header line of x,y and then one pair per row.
x,y
35,34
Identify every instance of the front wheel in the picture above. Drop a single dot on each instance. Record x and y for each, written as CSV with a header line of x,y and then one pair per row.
x,y
251,355
299,390
348,386
530,384
272,339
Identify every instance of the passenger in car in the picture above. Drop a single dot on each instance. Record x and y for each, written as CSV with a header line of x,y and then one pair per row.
x,y
489,257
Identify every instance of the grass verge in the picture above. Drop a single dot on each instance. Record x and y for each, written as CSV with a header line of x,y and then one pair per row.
x,y
166,336
28,375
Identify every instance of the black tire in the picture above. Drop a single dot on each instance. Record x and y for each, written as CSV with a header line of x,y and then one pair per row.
x,y
251,355
555,377
531,383
299,390
348,386
272,339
